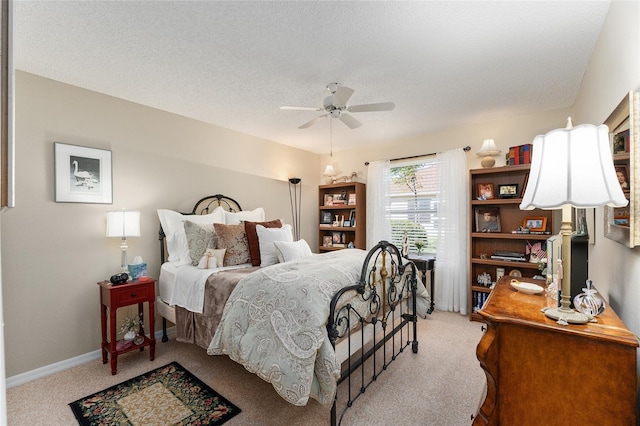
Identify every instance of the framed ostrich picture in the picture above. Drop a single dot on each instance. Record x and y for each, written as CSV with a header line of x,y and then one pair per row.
x,y
82,174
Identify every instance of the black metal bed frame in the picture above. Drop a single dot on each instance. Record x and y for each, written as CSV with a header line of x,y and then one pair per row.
x,y
385,283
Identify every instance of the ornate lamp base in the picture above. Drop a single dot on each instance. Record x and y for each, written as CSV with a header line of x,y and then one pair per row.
x,y
565,316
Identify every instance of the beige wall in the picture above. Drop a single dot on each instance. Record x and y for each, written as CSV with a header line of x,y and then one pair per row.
x,y
54,253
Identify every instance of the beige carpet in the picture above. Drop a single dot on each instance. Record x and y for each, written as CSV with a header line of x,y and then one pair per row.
x,y
440,385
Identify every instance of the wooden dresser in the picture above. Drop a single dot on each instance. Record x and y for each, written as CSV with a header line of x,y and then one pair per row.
x,y
541,373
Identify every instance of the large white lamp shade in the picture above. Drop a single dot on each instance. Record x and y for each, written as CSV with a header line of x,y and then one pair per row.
x,y
571,167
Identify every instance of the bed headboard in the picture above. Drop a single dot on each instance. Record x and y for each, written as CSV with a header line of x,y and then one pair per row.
x,y
205,205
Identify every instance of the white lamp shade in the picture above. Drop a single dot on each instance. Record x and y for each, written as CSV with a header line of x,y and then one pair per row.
x,y
572,167
123,224
329,171
488,148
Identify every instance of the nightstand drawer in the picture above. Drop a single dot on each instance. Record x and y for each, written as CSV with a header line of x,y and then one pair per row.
x,y
127,296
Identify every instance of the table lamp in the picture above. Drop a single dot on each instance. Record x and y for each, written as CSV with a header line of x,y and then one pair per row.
x,y
488,150
123,224
571,167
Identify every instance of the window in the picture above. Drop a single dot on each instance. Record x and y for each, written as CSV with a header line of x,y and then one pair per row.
x,y
414,206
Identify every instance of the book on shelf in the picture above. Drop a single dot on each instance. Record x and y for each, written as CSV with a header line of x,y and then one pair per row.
x,y
509,255
509,258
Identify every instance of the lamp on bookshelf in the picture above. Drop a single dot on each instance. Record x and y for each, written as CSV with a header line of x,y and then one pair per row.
x,y
488,150
571,167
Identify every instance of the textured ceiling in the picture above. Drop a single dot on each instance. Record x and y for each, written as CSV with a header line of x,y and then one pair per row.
x,y
233,64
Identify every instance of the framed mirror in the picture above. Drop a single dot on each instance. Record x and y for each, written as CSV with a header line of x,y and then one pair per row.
x,y
623,224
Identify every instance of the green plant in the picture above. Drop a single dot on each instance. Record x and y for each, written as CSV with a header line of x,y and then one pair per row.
x,y
419,245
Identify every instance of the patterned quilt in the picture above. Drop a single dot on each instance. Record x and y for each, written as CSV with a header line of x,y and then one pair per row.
x,y
274,324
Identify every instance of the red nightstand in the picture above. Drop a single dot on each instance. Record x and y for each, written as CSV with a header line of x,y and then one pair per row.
x,y
113,297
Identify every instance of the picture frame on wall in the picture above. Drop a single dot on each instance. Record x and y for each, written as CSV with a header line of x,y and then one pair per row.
x,y
82,174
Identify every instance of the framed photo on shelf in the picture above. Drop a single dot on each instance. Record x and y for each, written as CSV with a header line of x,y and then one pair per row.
x,y
524,185
325,218
352,218
340,198
487,220
535,224
338,239
621,142
485,191
82,174
326,241
622,173
328,199
352,199
508,191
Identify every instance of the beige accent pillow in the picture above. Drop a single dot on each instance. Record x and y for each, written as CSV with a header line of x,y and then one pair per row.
x,y
233,238
200,236
212,258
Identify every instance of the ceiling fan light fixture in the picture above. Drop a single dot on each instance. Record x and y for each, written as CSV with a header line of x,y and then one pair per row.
x,y
335,106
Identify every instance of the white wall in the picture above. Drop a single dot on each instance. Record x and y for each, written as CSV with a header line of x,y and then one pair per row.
x,y
55,253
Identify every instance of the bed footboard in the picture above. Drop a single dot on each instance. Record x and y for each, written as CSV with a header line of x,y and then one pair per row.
x,y
370,341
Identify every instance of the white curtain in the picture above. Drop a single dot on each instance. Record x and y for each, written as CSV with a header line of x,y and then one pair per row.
x,y
452,257
378,202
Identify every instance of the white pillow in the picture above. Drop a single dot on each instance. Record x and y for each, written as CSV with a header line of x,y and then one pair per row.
x,y
256,215
286,251
173,226
266,238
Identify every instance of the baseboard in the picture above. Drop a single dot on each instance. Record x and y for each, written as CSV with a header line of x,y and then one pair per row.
x,y
20,379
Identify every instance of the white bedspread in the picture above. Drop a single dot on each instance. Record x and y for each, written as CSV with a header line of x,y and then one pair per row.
x,y
274,324
188,286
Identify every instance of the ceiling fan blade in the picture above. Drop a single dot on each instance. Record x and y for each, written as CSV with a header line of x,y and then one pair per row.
x,y
382,106
295,108
312,122
341,96
350,121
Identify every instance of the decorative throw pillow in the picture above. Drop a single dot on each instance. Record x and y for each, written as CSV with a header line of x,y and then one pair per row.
x,y
266,238
252,238
287,251
200,236
234,239
255,215
212,258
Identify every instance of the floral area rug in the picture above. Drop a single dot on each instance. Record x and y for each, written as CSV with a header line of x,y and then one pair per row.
x,y
168,395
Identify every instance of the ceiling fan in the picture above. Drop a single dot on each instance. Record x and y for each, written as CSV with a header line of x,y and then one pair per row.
x,y
336,106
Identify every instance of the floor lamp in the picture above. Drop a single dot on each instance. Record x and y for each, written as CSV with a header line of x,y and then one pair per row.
x,y
295,197
571,167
